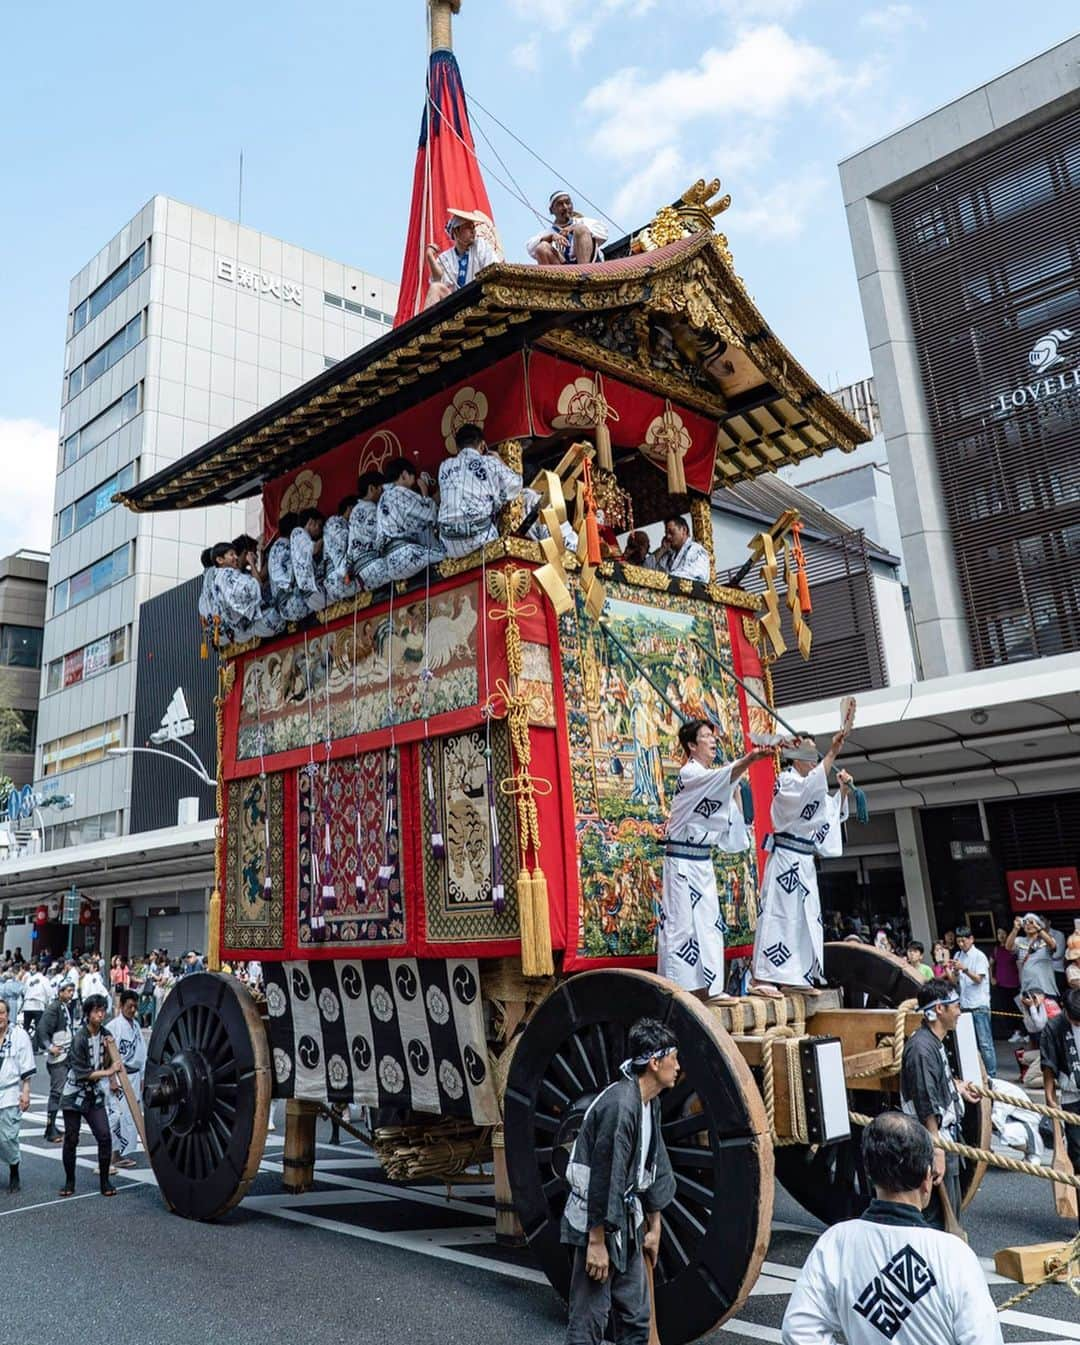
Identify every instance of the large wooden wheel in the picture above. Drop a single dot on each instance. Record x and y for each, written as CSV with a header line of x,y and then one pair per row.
x,y
831,1182
207,1095
716,1231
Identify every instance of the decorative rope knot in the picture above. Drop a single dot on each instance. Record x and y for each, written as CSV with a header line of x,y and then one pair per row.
x,y
527,786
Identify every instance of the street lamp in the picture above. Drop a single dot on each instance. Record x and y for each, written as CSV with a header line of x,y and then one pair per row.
x,y
197,769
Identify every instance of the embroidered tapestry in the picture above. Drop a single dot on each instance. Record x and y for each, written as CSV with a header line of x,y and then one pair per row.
x,y
332,908
536,684
254,912
383,1033
631,679
458,888
372,675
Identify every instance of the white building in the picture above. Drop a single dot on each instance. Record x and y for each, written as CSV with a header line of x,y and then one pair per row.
x,y
182,325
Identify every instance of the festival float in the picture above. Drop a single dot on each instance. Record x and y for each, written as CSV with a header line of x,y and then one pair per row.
x,y
441,804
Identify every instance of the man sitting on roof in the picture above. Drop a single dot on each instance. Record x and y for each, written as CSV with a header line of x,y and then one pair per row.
x,y
680,556
405,523
453,269
571,238
283,596
308,565
365,564
473,486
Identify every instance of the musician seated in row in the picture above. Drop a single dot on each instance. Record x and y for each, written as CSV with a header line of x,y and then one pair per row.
x,y
231,600
679,555
338,579
573,239
474,485
366,566
405,535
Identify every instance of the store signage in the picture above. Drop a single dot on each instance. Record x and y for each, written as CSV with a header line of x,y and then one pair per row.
x,y
969,849
1043,889
96,657
258,282
1044,355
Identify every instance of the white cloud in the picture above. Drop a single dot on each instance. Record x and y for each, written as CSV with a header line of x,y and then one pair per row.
x,y
780,212
670,172
762,76
28,454
526,55
892,19
749,11
577,24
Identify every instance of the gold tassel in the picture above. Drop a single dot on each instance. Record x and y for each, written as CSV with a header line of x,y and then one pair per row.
x,y
676,476
604,459
213,934
541,958
526,923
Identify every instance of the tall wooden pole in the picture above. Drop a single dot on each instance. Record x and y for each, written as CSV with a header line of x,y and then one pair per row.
x,y
441,23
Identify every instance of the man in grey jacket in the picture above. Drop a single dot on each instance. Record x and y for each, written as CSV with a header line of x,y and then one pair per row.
x,y
56,1028
620,1179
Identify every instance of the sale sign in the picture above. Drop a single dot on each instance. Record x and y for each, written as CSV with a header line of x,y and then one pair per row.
x,y
1043,889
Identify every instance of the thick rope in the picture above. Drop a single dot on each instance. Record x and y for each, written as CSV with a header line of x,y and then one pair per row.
x,y
768,1086
991,1159
1069,1118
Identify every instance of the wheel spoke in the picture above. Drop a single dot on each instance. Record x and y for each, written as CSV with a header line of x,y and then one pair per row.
x,y
549,1125
689,1156
682,1127
583,1056
678,1213
548,1085
695,1191
560,1062
596,1037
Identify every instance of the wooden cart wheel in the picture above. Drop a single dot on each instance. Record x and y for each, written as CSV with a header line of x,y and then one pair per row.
x,y
831,1182
207,1095
716,1231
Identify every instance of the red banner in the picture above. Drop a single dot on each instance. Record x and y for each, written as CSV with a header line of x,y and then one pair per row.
x,y
1043,890
523,395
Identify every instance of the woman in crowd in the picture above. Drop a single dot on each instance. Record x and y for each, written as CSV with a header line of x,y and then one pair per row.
x,y
90,1065
1005,983
16,1068
941,959
1033,945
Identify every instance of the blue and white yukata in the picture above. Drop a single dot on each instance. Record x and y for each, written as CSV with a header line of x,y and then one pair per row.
x,y
705,813
691,561
789,942
307,570
339,581
132,1047
291,605
473,487
365,563
236,599
405,532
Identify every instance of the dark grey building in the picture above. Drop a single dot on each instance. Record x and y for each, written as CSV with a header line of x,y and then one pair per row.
x,y
23,583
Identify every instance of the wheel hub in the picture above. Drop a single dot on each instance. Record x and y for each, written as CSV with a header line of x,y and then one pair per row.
x,y
184,1092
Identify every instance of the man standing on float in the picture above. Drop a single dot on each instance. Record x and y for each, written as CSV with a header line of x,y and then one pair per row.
x,y
789,941
704,814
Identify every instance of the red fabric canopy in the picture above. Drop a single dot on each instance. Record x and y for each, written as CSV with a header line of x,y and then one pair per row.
x,y
525,394
446,177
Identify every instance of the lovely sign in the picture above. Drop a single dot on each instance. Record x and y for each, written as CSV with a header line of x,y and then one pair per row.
x,y
1043,889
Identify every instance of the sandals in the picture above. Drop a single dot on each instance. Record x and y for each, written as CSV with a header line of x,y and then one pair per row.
x,y
66,1192
124,1163
108,1189
765,991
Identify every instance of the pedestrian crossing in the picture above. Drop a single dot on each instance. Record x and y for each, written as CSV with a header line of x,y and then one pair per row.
x,y
353,1199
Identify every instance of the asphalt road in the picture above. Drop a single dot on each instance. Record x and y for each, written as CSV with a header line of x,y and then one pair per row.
x,y
360,1261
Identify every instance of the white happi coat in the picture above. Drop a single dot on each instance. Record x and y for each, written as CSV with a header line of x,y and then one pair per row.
x,y
881,1282
789,942
291,605
459,269
691,561
365,563
405,531
132,1048
307,570
704,814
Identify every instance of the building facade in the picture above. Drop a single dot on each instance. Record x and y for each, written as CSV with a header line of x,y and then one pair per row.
x,y
966,240
182,325
23,581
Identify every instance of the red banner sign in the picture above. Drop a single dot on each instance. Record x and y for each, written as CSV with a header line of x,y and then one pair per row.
x,y
1043,889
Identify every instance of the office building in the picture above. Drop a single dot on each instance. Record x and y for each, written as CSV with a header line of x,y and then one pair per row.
x,y
182,325
23,580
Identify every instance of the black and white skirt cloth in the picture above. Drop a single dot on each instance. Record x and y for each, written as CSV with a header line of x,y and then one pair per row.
x,y
405,1033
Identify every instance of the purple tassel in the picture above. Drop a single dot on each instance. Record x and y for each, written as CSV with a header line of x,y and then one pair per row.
x,y
386,868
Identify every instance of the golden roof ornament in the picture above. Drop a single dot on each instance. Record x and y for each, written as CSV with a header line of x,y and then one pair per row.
x,y
692,213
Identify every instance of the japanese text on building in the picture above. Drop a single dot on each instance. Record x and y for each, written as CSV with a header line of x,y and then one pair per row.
x,y
258,282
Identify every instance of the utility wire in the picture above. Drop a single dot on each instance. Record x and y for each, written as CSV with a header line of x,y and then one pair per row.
x,y
554,171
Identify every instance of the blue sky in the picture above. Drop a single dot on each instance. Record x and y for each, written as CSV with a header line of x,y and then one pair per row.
x,y
103,106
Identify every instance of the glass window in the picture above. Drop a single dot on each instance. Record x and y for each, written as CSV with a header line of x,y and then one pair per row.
x,y
96,431
87,661
103,359
328,361
351,307
334,300
81,748
94,579
94,503
110,289
100,827
18,729
20,646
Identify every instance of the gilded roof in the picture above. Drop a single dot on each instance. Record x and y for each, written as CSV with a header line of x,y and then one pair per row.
x,y
677,321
